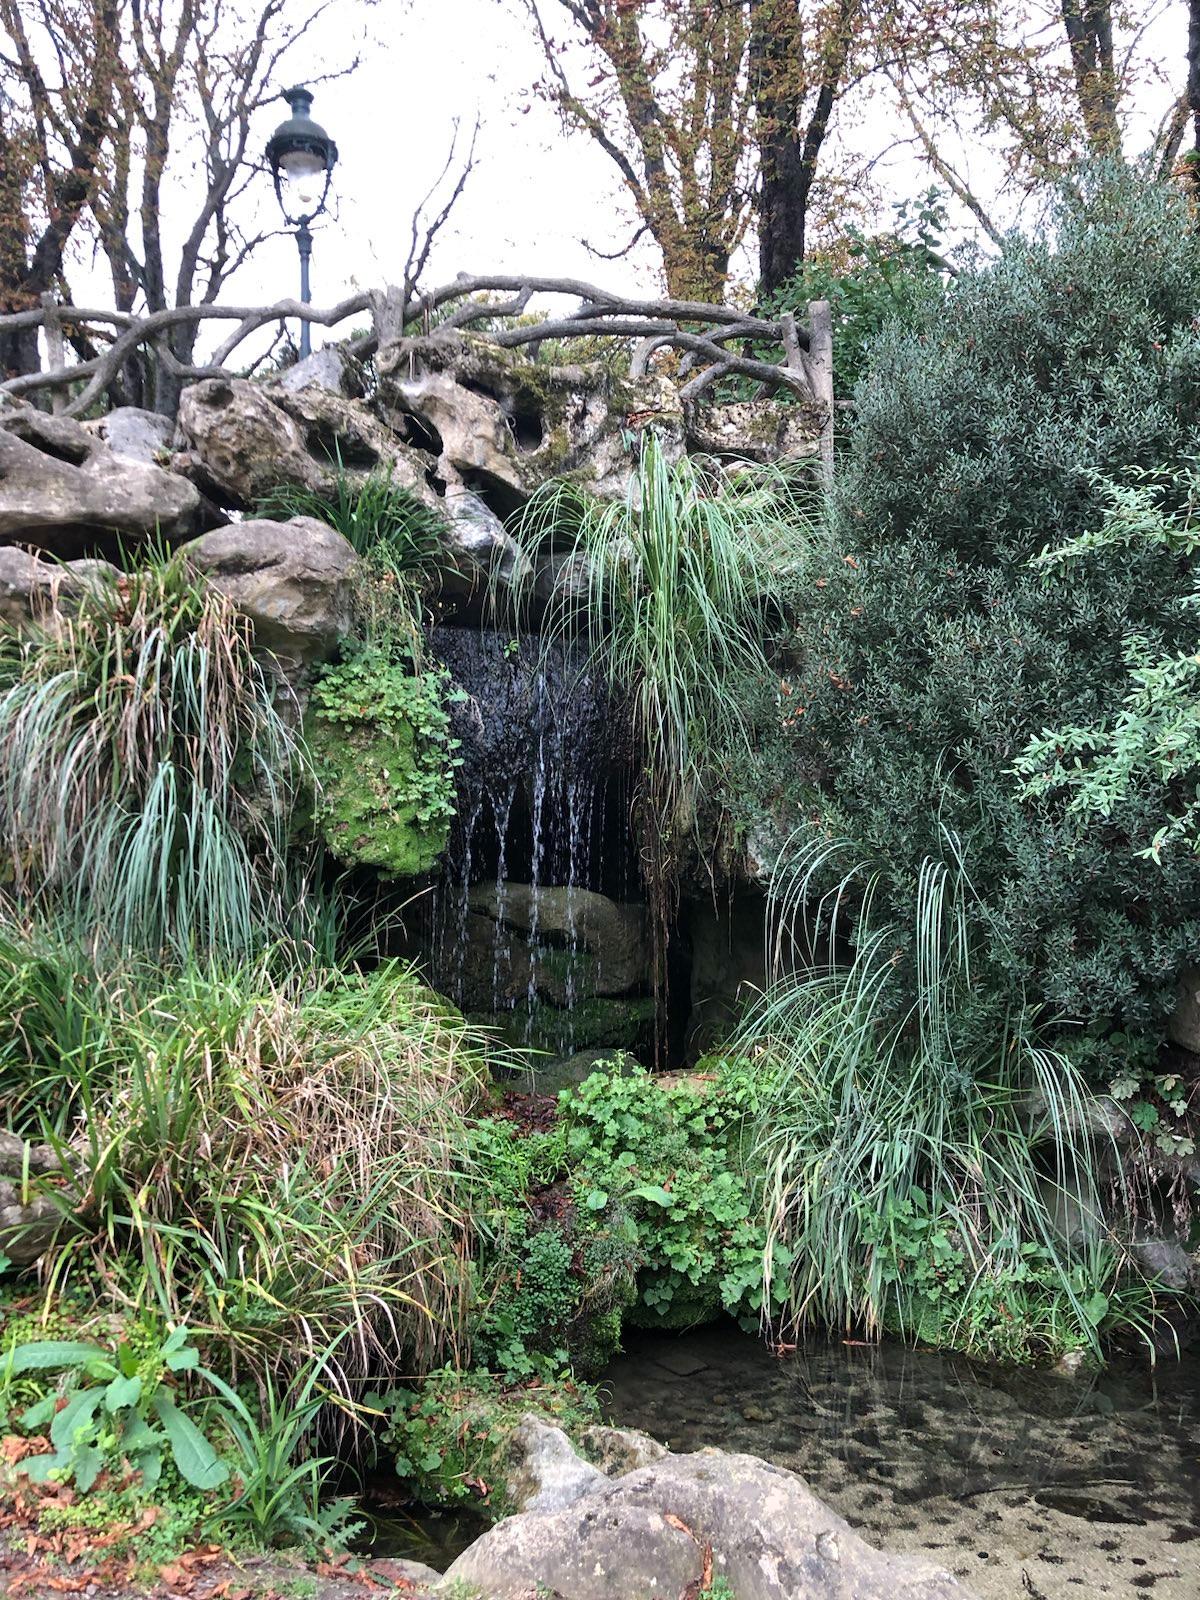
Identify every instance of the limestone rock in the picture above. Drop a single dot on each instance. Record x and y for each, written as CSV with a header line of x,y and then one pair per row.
x,y
546,1473
131,432
32,588
755,430
617,1451
505,425
331,367
478,548
1165,1260
647,1533
292,579
29,1218
239,445
64,491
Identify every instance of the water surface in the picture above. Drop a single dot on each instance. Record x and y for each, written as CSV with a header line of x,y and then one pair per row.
x,y
1023,1484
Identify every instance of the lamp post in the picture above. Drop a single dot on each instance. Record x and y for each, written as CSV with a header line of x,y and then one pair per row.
x,y
302,156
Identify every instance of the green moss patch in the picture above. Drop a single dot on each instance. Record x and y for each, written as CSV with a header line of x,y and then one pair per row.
x,y
380,740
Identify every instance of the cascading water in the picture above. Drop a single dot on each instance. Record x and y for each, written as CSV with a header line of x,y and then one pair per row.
x,y
532,916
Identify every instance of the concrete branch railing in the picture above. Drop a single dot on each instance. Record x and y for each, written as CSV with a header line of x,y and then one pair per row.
x,y
714,339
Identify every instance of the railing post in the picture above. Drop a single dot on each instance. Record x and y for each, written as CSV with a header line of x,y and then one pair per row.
x,y
56,349
820,361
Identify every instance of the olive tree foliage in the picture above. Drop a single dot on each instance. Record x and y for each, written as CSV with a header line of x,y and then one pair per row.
x,y
134,128
937,645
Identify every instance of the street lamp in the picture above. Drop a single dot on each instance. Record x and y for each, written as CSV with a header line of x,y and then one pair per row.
x,y
301,155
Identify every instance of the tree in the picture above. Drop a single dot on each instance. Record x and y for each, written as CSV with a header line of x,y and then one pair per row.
x,y
168,106
662,89
57,69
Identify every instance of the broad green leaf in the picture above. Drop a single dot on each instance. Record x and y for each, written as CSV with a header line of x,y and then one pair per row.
x,y
78,1412
45,1355
654,1192
122,1392
87,1463
40,1414
196,1459
182,1360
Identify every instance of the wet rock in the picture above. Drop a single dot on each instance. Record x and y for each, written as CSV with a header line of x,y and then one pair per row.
x,y
1165,1260
64,491
653,1530
755,430
33,589
30,1218
292,579
568,1072
572,920
728,962
139,435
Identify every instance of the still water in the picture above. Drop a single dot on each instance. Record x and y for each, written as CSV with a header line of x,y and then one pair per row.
x,y
1023,1484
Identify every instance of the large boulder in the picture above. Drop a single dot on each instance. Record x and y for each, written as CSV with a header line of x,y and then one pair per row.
x,y
292,579
504,425
64,491
671,1526
240,445
30,1217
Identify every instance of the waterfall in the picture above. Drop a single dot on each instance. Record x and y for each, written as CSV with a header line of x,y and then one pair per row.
x,y
533,911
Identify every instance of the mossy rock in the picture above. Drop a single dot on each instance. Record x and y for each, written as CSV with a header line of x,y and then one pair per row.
x,y
384,759
596,1023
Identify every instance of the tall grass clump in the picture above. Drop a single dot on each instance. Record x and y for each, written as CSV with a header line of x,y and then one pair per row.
x,y
146,770
678,597
920,1175
276,1162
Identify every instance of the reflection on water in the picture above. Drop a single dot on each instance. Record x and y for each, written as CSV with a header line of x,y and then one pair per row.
x,y
1023,1484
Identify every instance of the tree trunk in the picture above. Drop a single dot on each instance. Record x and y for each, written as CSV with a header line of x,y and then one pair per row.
x,y
1193,86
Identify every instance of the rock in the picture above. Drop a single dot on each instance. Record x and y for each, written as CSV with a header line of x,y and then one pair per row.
x,y
136,434
617,1451
30,1218
239,445
331,367
648,1533
613,936
568,1072
32,588
504,424
292,579
729,962
546,1473
1165,1260
1184,1027
480,551
755,430
64,491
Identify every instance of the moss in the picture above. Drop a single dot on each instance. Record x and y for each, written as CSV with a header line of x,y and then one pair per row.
x,y
596,1023
379,736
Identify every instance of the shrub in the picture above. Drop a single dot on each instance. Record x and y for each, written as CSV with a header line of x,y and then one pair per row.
x,y
276,1162
147,775
379,734
933,649
915,1171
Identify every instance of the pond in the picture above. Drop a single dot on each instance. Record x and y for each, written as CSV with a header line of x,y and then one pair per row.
x,y
1022,1484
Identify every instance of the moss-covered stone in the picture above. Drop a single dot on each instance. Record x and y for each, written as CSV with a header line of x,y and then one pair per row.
x,y
380,739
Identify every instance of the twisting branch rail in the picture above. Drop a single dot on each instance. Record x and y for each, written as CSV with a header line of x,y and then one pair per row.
x,y
703,332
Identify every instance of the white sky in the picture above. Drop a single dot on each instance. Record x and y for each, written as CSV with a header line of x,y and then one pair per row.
x,y
536,193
